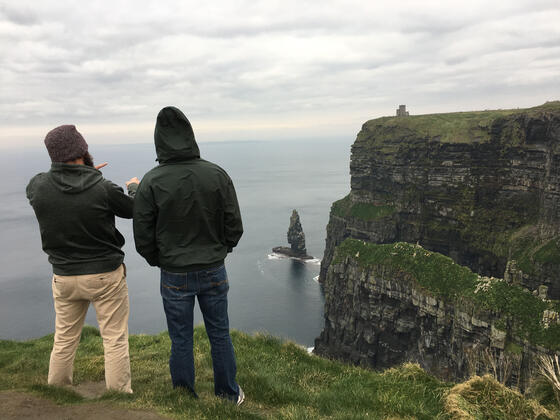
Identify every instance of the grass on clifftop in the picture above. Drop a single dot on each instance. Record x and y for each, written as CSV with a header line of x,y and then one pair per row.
x,y
443,278
454,127
280,379
363,211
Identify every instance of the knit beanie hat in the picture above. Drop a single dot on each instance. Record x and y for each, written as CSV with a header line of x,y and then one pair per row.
x,y
65,143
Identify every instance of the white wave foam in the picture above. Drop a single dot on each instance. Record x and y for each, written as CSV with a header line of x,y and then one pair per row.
x,y
277,256
316,278
260,266
310,349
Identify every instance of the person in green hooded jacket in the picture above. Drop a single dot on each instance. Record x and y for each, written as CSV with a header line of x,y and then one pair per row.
x,y
76,208
186,220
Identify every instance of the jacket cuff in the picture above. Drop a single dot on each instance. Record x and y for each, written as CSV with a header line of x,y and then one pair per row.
x,y
132,188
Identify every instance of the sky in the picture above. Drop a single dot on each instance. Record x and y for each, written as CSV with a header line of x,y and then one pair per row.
x,y
265,70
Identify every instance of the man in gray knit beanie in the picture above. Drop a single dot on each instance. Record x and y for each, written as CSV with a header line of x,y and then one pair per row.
x,y
76,209
65,143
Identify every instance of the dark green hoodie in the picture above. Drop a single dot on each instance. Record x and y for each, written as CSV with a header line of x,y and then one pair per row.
x,y
186,215
76,209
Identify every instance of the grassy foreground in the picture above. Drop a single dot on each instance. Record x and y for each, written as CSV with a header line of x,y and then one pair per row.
x,y
280,379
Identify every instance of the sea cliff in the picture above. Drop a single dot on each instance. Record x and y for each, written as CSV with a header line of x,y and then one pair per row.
x,y
395,303
482,188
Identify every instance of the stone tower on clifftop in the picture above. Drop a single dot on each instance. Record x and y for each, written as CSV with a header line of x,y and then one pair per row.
x,y
401,111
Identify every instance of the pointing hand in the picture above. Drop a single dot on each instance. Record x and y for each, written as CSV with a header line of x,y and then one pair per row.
x,y
134,180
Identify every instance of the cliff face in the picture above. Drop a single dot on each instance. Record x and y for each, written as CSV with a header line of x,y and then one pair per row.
x,y
389,304
480,187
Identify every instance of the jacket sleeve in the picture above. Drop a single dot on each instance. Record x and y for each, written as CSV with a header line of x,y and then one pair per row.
x,y
144,224
119,203
29,188
232,218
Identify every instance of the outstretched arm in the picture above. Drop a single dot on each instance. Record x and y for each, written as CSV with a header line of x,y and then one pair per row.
x,y
120,203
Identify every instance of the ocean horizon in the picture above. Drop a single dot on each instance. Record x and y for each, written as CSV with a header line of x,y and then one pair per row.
x,y
269,294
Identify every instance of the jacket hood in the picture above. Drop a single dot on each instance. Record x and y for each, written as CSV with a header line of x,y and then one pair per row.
x,y
174,136
73,179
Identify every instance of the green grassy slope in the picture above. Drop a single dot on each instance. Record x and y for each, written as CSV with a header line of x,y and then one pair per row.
x,y
363,211
280,379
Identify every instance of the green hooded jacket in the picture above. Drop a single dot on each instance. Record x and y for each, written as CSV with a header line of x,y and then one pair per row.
x,y
76,208
186,215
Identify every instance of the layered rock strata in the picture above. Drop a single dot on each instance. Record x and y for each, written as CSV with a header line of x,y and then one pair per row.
x,y
390,304
480,187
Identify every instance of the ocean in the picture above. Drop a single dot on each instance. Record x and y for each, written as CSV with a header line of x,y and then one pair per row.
x,y
268,294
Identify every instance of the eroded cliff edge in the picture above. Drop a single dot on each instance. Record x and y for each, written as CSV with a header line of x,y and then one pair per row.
x,y
482,188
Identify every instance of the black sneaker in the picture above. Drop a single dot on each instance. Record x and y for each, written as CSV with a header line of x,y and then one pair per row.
x,y
240,397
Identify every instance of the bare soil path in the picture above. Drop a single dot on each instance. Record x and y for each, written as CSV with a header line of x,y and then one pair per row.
x,y
18,405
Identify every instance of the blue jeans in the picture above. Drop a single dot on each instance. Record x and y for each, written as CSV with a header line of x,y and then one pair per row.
x,y
178,291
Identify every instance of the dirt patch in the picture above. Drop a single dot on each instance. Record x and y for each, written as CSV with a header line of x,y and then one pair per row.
x,y
89,390
17,405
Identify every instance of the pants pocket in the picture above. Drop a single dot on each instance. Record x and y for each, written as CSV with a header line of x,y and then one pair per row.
x,y
60,287
216,276
217,280
173,286
100,282
173,281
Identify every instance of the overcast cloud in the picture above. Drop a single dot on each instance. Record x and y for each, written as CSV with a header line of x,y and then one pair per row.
x,y
266,69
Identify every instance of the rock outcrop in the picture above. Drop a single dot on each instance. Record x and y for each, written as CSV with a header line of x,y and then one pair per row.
x,y
482,188
296,239
390,304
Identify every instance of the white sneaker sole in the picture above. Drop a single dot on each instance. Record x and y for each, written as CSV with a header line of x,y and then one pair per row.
x,y
241,397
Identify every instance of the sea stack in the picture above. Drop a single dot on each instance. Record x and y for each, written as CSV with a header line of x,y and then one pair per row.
x,y
296,239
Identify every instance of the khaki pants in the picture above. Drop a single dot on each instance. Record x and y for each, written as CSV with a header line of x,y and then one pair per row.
x,y
109,294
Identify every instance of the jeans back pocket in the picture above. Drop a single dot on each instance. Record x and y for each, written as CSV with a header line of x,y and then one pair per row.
x,y
216,280
173,285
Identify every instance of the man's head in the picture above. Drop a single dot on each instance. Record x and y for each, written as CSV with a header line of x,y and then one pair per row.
x,y
66,144
174,136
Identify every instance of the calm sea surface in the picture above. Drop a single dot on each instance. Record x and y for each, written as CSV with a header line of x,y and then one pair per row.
x,y
278,296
